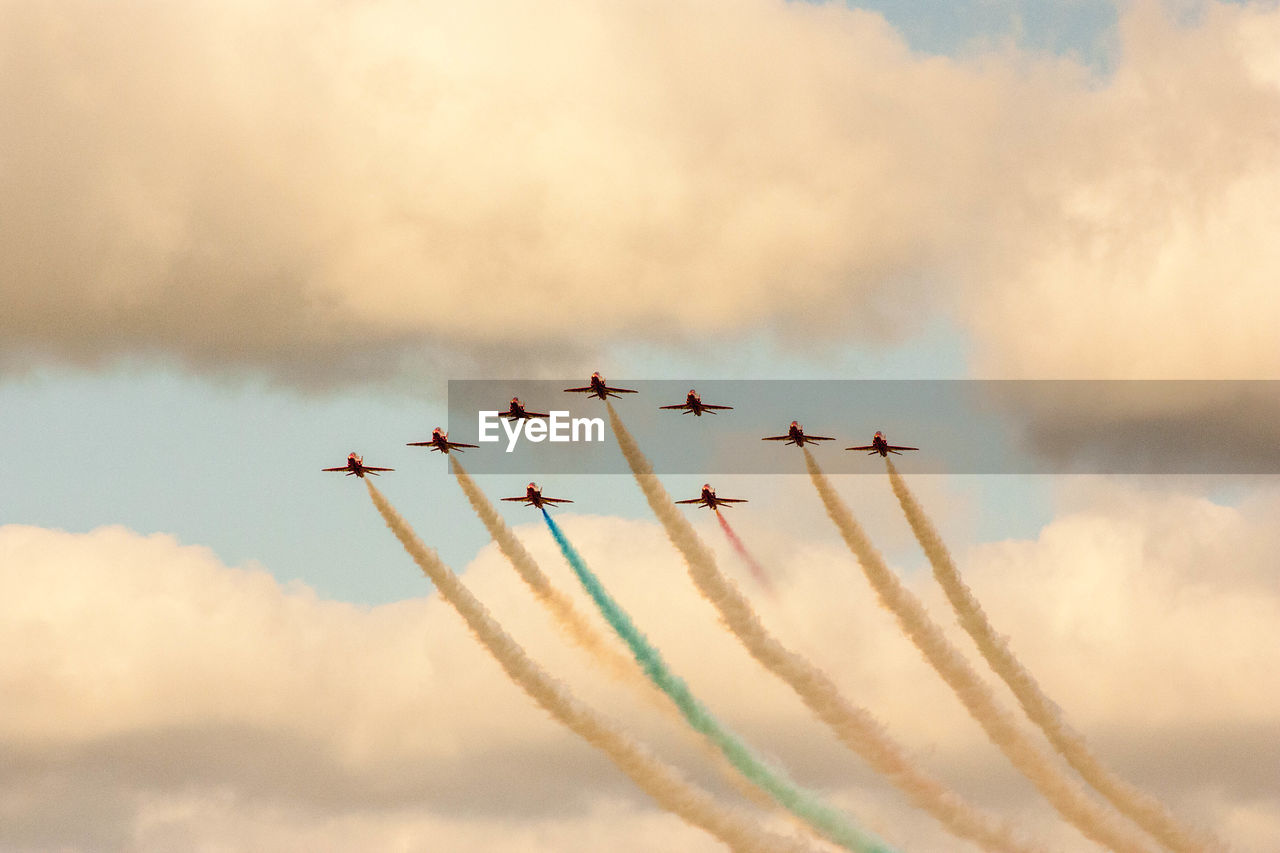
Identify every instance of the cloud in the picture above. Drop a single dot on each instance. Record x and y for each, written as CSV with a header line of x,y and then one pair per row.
x,y
192,690
233,184
324,188
1141,247
321,187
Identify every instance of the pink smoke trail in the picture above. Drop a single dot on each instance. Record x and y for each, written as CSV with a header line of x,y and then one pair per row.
x,y
855,726
757,571
576,627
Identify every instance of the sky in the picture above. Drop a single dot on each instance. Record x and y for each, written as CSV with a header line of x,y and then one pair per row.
x,y
240,240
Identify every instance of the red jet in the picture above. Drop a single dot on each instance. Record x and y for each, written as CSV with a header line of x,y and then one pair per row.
x,y
880,444
599,389
795,435
355,465
517,411
709,499
440,441
693,403
533,497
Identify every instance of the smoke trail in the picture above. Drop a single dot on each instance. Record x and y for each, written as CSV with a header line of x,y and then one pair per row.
x,y
757,570
1062,793
821,817
855,726
574,625
577,629
660,781
1145,810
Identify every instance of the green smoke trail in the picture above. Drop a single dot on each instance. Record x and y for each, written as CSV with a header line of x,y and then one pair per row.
x,y
829,821
659,780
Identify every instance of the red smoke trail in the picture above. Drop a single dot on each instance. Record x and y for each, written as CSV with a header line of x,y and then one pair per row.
x,y
756,570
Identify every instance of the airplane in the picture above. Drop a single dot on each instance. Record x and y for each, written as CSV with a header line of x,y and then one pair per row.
x,y
881,445
795,435
355,465
693,403
709,499
517,411
533,497
440,441
599,389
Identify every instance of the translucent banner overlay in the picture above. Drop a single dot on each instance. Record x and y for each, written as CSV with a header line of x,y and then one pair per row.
x,y
961,426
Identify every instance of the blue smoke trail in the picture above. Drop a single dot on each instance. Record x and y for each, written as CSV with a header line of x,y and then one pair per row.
x,y
829,821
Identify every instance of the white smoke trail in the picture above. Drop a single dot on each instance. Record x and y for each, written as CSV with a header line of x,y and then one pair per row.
x,y
660,781
1142,808
1063,794
571,622
855,727
579,630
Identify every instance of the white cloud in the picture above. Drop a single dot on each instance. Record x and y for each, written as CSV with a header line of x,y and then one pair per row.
x,y
315,185
1142,244
230,182
198,691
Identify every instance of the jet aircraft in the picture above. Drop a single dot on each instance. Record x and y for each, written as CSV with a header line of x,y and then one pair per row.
x,y
693,403
440,441
880,444
599,389
709,500
533,497
517,411
795,435
355,465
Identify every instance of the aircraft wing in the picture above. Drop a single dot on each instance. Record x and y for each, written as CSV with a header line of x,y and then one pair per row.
x,y
556,501
900,447
677,406
777,438
371,468
460,444
343,468
709,406
863,447
731,500
420,444
691,501
818,438
514,499
620,390
585,390
536,415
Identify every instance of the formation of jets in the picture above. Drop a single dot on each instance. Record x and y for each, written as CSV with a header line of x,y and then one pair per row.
x,y
355,465
597,387
709,500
